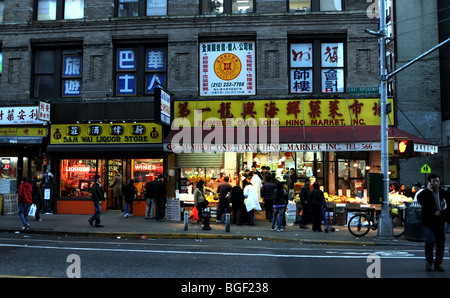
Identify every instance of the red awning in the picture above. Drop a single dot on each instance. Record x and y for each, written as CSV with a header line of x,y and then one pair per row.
x,y
366,137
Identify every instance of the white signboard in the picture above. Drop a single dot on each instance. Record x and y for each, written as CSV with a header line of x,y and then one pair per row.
x,y
44,111
19,115
227,68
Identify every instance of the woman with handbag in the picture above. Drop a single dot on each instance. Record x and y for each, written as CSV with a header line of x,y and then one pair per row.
x,y
199,198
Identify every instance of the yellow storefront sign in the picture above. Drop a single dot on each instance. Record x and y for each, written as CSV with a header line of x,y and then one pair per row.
x,y
291,112
23,131
116,133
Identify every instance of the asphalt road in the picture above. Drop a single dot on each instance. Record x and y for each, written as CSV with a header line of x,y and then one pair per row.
x,y
23,255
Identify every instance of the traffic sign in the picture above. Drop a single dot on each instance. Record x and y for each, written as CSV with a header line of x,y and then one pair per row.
x,y
425,169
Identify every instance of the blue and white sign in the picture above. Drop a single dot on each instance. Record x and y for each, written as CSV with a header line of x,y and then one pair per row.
x,y
71,88
151,79
72,66
126,59
155,60
126,84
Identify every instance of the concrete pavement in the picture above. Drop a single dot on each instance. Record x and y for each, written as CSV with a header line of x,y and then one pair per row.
x,y
115,225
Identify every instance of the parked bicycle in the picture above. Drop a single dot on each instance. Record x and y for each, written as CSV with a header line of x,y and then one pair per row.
x,y
361,223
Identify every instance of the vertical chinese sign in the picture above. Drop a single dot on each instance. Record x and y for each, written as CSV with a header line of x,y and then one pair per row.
x,y
227,68
72,75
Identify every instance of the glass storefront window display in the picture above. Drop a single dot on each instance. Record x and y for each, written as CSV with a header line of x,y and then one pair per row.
x,y
144,170
77,176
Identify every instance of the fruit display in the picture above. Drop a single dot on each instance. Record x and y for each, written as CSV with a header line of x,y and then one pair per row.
x,y
394,199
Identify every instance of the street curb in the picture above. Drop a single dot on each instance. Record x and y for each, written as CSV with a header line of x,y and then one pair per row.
x,y
147,236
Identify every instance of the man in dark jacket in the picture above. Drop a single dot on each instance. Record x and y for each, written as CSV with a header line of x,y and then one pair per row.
x,y
97,198
304,195
224,205
160,198
434,201
316,202
150,199
268,193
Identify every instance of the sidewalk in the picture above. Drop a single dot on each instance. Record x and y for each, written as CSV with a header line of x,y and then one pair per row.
x,y
115,225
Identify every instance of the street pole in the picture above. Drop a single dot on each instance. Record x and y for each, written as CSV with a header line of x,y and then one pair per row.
x,y
385,228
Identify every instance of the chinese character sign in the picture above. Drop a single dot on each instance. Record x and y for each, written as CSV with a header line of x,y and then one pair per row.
x,y
72,75
44,111
20,115
227,68
332,67
126,76
301,60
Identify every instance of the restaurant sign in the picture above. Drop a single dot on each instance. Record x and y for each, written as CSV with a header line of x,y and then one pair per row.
x,y
292,112
115,133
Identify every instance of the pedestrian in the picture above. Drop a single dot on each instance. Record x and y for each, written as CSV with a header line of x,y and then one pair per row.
x,y
292,180
237,204
117,190
160,198
223,190
256,182
37,197
268,194
129,195
150,200
25,198
279,206
434,201
48,183
251,201
306,212
199,198
97,198
316,201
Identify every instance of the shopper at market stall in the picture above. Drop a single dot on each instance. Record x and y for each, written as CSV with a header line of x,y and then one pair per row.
x,y
129,194
306,212
97,198
434,201
237,204
160,198
251,201
316,201
199,198
25,196
268,194
224,204
256,182
279,206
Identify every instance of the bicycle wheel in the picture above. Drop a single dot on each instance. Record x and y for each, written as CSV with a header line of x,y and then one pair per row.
x,y
398,224
359,225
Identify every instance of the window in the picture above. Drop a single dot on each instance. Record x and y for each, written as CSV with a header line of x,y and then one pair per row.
x,y
311,75
2,7
57,73
314,5
139,69
59,9
135,8
226,6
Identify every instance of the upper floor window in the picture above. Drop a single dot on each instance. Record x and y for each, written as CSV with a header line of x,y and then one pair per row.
x,y
139,69
57,73
2,6
317,67
226,6
314,5
59,9
135,8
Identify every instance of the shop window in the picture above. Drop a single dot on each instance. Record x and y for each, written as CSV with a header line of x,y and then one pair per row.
x,y
77,177
139,69
59,9
313,76
226,6
135,8
314,5
352,176
57,73
145,170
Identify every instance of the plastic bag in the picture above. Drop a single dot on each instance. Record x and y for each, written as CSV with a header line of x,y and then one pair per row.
x,y
32,211
194,214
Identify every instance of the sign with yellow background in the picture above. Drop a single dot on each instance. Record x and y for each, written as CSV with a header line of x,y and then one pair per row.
x,y
116,133
291,112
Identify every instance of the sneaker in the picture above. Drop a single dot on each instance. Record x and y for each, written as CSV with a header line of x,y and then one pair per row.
x,y
280,230
428,266
272,229
125,215
24,228
99,226
91,222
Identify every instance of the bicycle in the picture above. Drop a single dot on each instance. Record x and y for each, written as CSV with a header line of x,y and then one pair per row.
x,y
361,223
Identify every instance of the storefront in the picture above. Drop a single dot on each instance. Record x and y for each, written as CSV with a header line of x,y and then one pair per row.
x,y
81,151
339,152
22,137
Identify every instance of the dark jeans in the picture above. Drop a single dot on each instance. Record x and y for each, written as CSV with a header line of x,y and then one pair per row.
x,y
96,216
224,207
434,236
